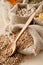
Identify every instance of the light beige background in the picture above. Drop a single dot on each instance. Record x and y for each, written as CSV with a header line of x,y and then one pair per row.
x,y
32,60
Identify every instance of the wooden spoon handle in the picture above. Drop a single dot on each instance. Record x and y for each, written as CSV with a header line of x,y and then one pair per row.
x,y
27,23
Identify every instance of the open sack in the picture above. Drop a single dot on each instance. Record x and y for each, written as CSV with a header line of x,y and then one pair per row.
x,y
20,13
38,19
31,41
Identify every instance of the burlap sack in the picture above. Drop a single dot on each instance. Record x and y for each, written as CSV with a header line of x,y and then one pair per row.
x,y
37,20
20,19
36,32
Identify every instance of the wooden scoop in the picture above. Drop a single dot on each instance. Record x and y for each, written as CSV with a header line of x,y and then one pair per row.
x,y
13,45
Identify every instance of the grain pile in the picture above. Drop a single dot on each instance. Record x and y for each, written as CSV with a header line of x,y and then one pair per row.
x,y
24,11
24,41
5,59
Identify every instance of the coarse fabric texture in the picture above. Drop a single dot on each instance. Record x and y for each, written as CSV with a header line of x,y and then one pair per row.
x,y
37,20
30,42
24,12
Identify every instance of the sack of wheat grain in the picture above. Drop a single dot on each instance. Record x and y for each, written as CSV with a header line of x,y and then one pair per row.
x,y
20,13
31,41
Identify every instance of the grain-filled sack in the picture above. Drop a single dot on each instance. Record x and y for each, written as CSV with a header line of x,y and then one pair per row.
x,y
31,41
20,13
38,19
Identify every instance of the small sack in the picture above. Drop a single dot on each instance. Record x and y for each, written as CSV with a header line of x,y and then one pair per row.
x,y
19,14
31,41
37,18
